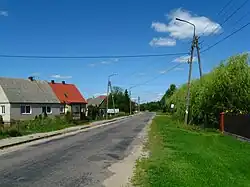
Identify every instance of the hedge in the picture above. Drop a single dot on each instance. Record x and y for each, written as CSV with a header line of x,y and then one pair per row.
x,y
226,87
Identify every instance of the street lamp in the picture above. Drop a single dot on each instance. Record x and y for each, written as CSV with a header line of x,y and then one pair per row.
x,y
190,68
185,21
107,101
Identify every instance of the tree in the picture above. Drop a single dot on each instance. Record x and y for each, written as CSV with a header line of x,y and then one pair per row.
x,y
170,91
121,99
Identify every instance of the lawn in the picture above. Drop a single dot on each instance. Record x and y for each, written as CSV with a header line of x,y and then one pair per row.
x,y
182,156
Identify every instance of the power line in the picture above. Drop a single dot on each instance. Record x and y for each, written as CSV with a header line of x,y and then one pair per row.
x,y
223,39
228,3
223,8
229,17
91,57
156,77
233,25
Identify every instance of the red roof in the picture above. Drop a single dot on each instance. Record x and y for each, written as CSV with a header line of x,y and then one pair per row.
x,y
67,93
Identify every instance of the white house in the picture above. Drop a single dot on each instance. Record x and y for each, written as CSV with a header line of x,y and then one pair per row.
x,y
22,99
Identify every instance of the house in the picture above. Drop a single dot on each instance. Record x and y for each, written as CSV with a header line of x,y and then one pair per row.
x,y
22,99
71,99
99,102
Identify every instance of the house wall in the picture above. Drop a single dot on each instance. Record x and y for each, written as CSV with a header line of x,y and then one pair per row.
x,y
4,102
72,108
6,115
15,111
67,108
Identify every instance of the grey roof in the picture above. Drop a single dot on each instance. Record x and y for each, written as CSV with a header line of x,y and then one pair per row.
x,y
27,91
95,101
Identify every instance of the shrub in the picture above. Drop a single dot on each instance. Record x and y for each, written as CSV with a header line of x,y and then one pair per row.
x,y
68,117
227,87
1,119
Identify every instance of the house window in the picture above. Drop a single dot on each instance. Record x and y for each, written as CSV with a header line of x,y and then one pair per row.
x,y
26,109
46,109
3,109
61,109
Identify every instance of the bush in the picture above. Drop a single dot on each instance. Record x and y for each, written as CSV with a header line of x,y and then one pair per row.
x,y
227,87
68,117
14,132
1,119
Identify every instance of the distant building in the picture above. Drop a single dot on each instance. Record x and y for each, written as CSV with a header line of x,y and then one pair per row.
x,y
22,99
99,102
71,99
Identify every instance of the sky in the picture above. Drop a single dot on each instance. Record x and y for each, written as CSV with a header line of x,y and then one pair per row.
x,y
111,27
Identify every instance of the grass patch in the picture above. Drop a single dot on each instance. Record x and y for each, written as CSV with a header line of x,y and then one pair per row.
x,y
188,156
37,126
45,124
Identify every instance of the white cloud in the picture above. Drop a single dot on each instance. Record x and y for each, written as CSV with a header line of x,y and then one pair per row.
x,y
184,59
92,65
98,94
110,61
162,42
180,30
105,62
163,72
4,13
57,76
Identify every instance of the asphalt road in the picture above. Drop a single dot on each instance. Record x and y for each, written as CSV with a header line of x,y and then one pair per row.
x,y
79,160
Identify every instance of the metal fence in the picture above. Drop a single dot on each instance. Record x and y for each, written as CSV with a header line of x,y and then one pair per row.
x,y
238,124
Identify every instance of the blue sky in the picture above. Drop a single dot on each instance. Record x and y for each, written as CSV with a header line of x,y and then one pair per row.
x,y
92,28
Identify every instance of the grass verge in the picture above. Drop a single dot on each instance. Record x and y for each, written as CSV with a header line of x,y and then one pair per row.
x,y
187,156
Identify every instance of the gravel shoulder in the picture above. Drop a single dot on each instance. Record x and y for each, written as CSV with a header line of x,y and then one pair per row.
x,y
123,170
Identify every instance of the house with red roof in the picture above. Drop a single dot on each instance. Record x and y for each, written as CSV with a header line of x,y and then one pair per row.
x,y
70,97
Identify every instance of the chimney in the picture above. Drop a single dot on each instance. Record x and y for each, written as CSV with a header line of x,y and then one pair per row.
x,y
53,81
31,78
63,82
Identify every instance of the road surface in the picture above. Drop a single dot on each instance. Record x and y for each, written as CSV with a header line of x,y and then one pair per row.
x,y
79,160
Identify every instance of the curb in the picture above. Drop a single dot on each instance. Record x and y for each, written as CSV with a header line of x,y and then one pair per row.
x,y
61,133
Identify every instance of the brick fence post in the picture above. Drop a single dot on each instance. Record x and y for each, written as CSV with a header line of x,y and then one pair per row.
x,y
222,114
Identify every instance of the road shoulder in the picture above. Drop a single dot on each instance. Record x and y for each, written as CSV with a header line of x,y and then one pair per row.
x,y
123,170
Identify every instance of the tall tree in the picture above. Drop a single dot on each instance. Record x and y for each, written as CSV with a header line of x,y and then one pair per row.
x,y
170,91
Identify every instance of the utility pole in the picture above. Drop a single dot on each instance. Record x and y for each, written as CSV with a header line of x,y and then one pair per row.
x,y
130,103
189,84
195,44
113,101
198,54
109,86
107,100
138,103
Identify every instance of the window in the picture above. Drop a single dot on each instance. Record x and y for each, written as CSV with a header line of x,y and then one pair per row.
x,y
3,109
61,109
46,109
26,109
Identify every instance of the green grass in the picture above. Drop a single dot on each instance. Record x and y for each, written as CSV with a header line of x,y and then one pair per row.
x,y
37,126
186,156
43,125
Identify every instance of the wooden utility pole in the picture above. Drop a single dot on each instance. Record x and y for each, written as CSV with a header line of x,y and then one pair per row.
x,y
189,84
113,101
107,100
130,103
139,104
198,54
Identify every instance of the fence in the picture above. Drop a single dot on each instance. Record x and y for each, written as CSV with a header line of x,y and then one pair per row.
x,y
237,124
